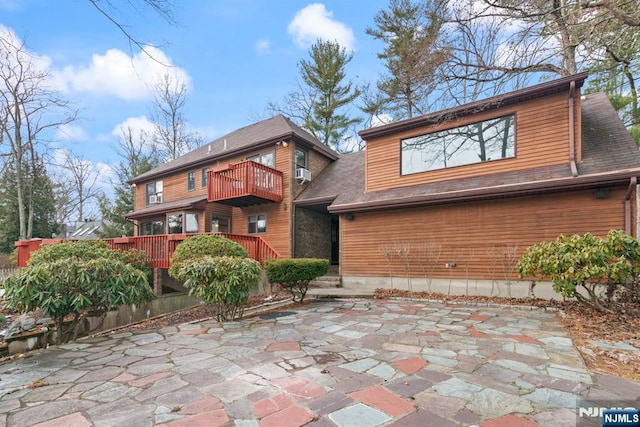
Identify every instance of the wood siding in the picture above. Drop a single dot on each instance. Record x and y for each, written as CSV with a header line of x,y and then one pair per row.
x,y
479,237
542,139
278,215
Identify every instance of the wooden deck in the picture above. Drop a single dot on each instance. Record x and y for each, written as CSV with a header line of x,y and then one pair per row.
x,y
159,248
244,184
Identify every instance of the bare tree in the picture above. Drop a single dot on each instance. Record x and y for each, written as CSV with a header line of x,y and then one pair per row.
x,y
137,155
172,136
28,110
626,11
162,8
83,181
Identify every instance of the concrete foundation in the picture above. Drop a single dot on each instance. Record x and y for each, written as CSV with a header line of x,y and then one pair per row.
x,y
496,288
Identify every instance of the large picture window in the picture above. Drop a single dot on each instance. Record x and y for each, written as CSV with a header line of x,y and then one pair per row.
x,y
463,145
257,224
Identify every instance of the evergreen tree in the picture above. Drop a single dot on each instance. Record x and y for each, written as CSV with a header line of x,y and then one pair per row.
x,y
44,224
409,31
324,74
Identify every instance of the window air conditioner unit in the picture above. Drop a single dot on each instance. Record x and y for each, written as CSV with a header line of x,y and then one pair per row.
x,y
156,198
303,174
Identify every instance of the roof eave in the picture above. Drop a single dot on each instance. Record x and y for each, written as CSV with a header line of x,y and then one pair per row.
x,y
537,91
512,190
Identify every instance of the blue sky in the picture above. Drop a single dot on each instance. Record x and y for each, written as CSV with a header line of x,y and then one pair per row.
x,y
235,55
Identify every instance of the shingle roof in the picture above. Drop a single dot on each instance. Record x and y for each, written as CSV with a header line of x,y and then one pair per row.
x,y
609,156
248,138
191,203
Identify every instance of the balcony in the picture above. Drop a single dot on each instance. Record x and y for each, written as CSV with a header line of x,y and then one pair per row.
x,y
245,184
159,248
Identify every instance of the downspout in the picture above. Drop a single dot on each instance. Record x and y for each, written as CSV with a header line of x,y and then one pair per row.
x,y
627,205
572,129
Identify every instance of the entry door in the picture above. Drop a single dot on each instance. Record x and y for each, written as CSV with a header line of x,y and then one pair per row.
x,y
335,243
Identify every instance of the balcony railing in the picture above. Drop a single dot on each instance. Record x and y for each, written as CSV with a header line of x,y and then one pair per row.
x,y
159,248
243,184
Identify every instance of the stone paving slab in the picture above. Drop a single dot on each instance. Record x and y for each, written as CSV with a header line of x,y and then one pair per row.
x,y
346,363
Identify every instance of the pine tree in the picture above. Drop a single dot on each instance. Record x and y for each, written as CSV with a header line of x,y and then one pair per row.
x,y
324,74
44,224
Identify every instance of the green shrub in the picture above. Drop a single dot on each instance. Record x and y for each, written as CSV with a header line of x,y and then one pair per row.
x,y
294,274
605,269
222,281
82,250
200,246
76,287
86,250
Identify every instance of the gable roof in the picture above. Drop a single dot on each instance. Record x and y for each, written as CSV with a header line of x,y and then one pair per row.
x,y
249,138
609,157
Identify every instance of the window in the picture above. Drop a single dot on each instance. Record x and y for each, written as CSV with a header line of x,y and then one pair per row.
x,y
191,180
154,192
204,177
473,143
267,159
192,224
257,224
301,158
175,223
152,227
220,224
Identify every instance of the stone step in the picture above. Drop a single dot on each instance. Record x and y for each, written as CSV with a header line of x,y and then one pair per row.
x,y
326,282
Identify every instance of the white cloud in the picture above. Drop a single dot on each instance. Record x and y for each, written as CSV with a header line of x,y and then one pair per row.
x,y
315,22
18,53
70,132
136,124
263,46
117,74
106,175
140,128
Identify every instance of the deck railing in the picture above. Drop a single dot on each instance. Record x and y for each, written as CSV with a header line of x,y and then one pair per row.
x,y
159,248
245,179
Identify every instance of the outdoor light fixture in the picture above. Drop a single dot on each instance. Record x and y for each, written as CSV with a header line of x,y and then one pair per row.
x,y
285,144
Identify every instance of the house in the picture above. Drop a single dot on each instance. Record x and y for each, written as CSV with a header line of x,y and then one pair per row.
x,y
443,202
450,200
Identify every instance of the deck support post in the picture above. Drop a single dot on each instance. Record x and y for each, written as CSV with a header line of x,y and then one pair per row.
x,y
157,281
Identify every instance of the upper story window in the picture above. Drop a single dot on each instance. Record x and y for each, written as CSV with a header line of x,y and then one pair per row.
x,y
153,193
191,180
301,158
463,145
204,177
267,159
